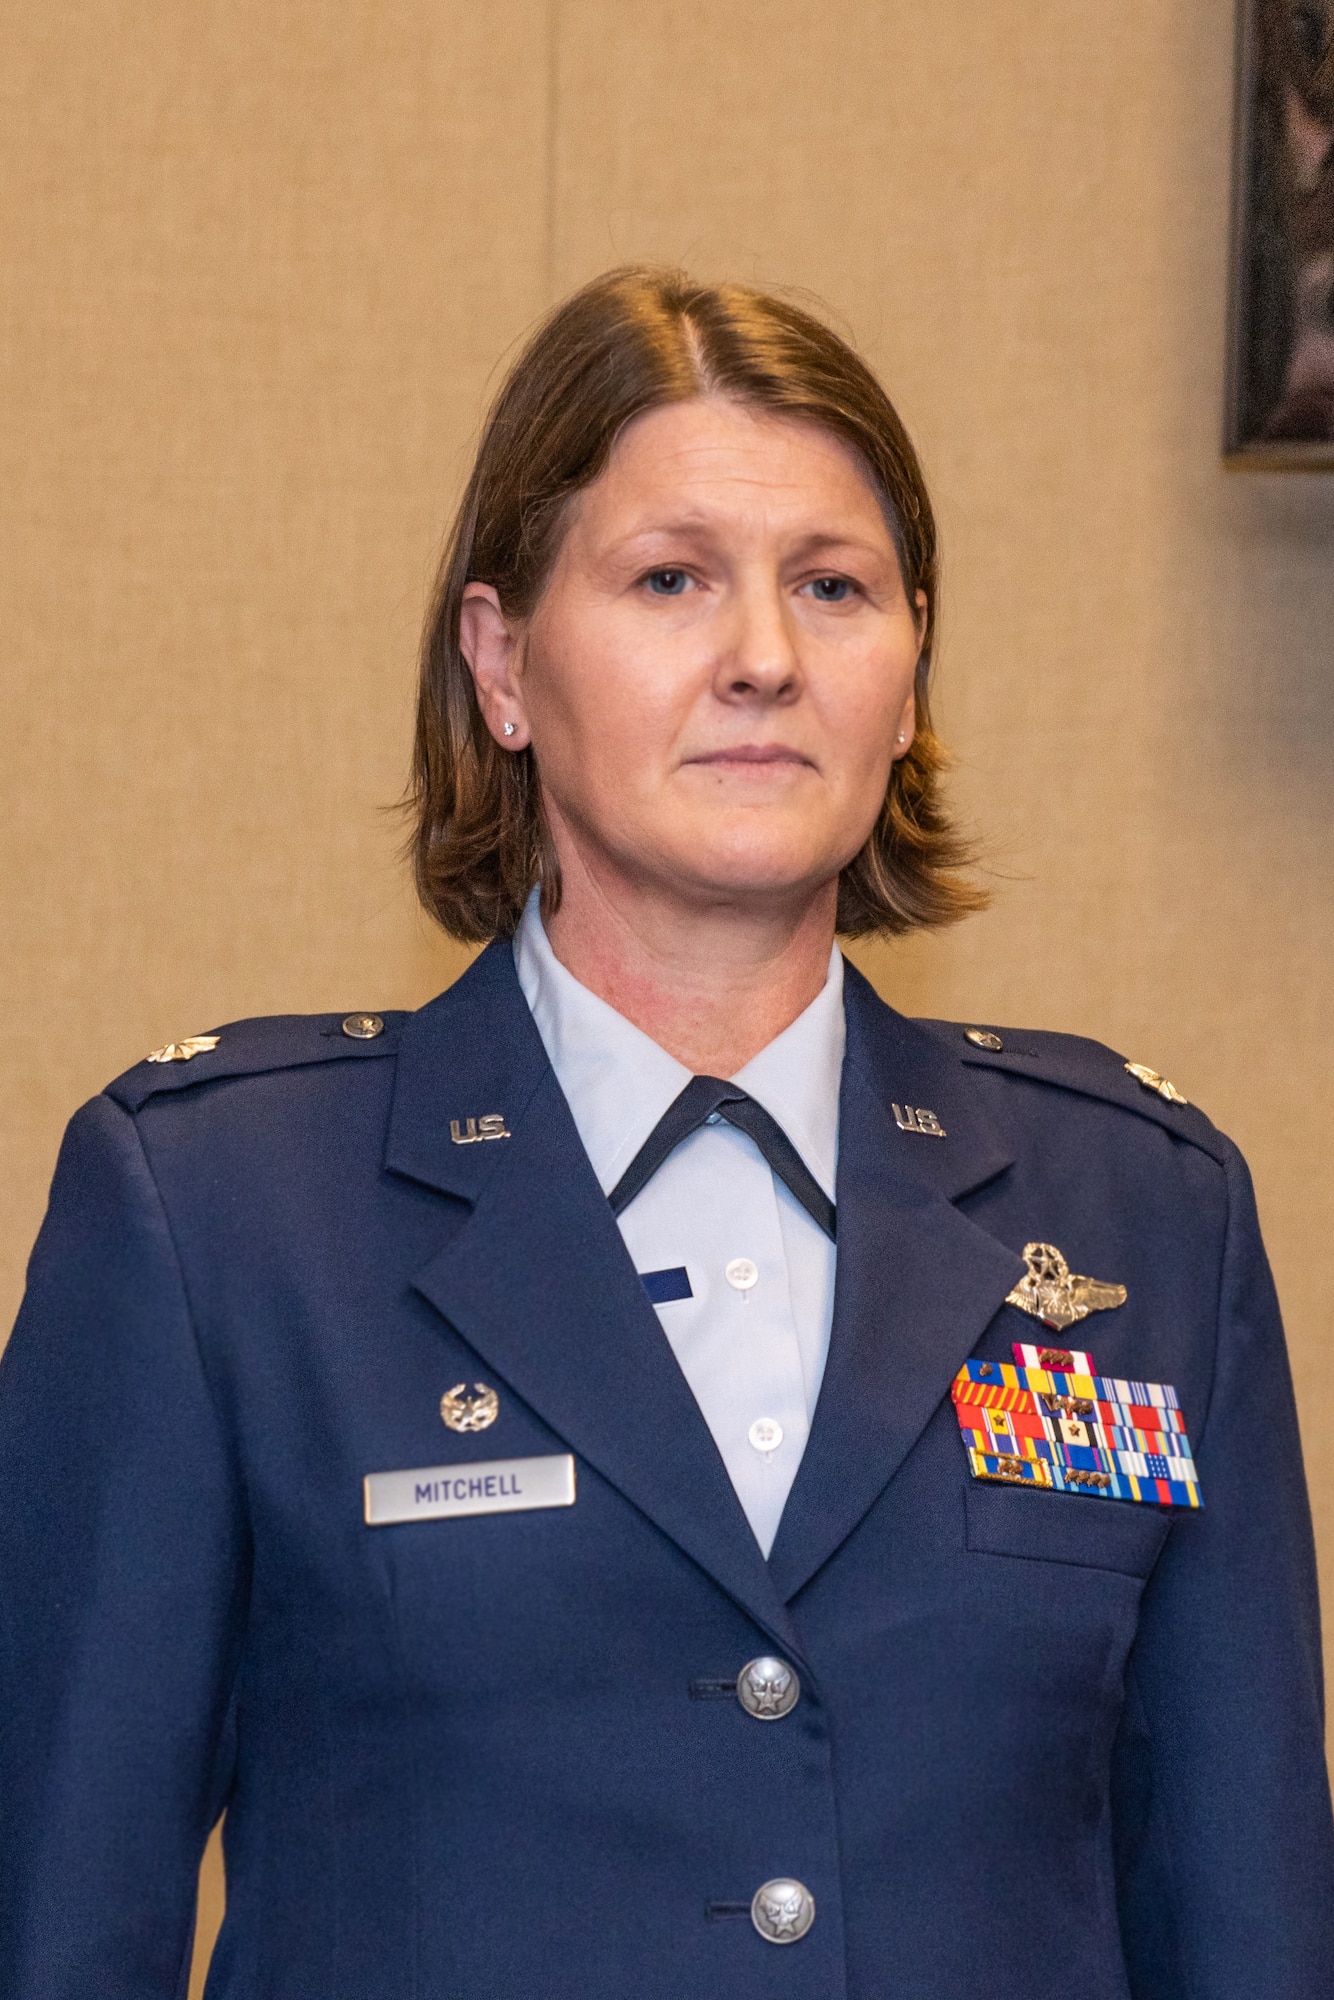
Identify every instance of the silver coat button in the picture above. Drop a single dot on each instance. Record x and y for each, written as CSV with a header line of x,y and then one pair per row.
x,y
982,1038
363,1027
768,1689
782,1910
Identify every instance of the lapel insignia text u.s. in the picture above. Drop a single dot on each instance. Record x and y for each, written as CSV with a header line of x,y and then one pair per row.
x,y
1055,1294
912,1118
470,1131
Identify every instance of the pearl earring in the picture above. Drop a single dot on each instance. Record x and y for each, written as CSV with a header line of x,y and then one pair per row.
x,y
510,728
902,736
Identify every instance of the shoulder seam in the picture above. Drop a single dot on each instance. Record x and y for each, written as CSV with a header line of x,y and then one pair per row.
x,y
186,1299
1087,1067
257,1047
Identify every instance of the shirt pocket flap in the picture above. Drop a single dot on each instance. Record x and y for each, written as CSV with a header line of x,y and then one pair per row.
x,y
1064,1527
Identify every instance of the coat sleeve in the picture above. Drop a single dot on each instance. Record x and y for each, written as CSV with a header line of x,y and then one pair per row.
x,y
1225,1848
123,1564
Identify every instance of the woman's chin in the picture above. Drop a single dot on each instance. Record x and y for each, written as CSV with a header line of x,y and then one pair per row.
x,y
770,875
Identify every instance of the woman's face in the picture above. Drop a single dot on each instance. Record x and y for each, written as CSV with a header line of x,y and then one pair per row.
x,y
720,669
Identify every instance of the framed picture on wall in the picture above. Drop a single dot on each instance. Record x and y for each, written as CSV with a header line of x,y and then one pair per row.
x,y
1280,403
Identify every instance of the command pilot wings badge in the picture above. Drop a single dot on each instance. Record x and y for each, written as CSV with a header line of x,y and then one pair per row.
x,y
1055,1294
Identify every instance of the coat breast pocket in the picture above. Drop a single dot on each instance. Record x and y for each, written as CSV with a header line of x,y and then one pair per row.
x,y
1064,1528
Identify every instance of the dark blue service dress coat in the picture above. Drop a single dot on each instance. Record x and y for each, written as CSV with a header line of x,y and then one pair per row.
x,y
1049,1746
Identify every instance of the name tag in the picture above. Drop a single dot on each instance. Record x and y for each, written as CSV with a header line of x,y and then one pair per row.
x,y
439,1492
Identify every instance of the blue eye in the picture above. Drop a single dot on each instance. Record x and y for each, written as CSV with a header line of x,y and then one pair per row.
x,y
667,582
831,589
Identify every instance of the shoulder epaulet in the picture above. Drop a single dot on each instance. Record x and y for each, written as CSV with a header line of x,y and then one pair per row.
x,y
248,1048
1073,1062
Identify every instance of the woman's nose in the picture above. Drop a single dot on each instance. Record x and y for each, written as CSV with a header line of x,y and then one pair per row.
x,y
761,656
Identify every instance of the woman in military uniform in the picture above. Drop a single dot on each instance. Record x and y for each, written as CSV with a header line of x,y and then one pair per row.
x,y
657,1475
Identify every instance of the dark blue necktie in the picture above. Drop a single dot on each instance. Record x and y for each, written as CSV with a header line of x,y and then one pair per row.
x,y
701,1098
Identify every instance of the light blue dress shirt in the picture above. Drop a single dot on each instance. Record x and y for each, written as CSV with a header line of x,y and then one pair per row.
x,y
752,1338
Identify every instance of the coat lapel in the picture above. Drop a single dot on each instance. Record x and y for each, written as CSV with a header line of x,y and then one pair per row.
x,y
917,1281
538,1281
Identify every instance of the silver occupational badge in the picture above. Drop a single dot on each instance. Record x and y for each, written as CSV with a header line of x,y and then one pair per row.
x,y
1055,1294
470,1413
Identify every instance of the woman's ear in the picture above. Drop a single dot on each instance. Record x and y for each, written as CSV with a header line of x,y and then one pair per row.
x,y
906,727
490,644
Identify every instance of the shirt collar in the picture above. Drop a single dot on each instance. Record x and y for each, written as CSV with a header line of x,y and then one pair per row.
x,y
618,1082
796,1078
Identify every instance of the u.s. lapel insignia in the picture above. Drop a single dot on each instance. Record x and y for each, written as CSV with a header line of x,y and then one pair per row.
x,y
1055,1294
913,1118
186,1051
471,1131
470,1413
1068,1430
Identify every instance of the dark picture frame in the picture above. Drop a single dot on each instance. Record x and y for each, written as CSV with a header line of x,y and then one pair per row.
x,y
1280,390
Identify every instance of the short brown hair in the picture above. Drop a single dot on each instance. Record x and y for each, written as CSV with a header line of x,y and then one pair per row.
x,y
631,341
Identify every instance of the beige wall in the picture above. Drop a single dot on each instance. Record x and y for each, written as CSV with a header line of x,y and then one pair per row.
x,y
259,264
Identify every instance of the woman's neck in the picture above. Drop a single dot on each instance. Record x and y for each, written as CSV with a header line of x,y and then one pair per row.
x,y
711,984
